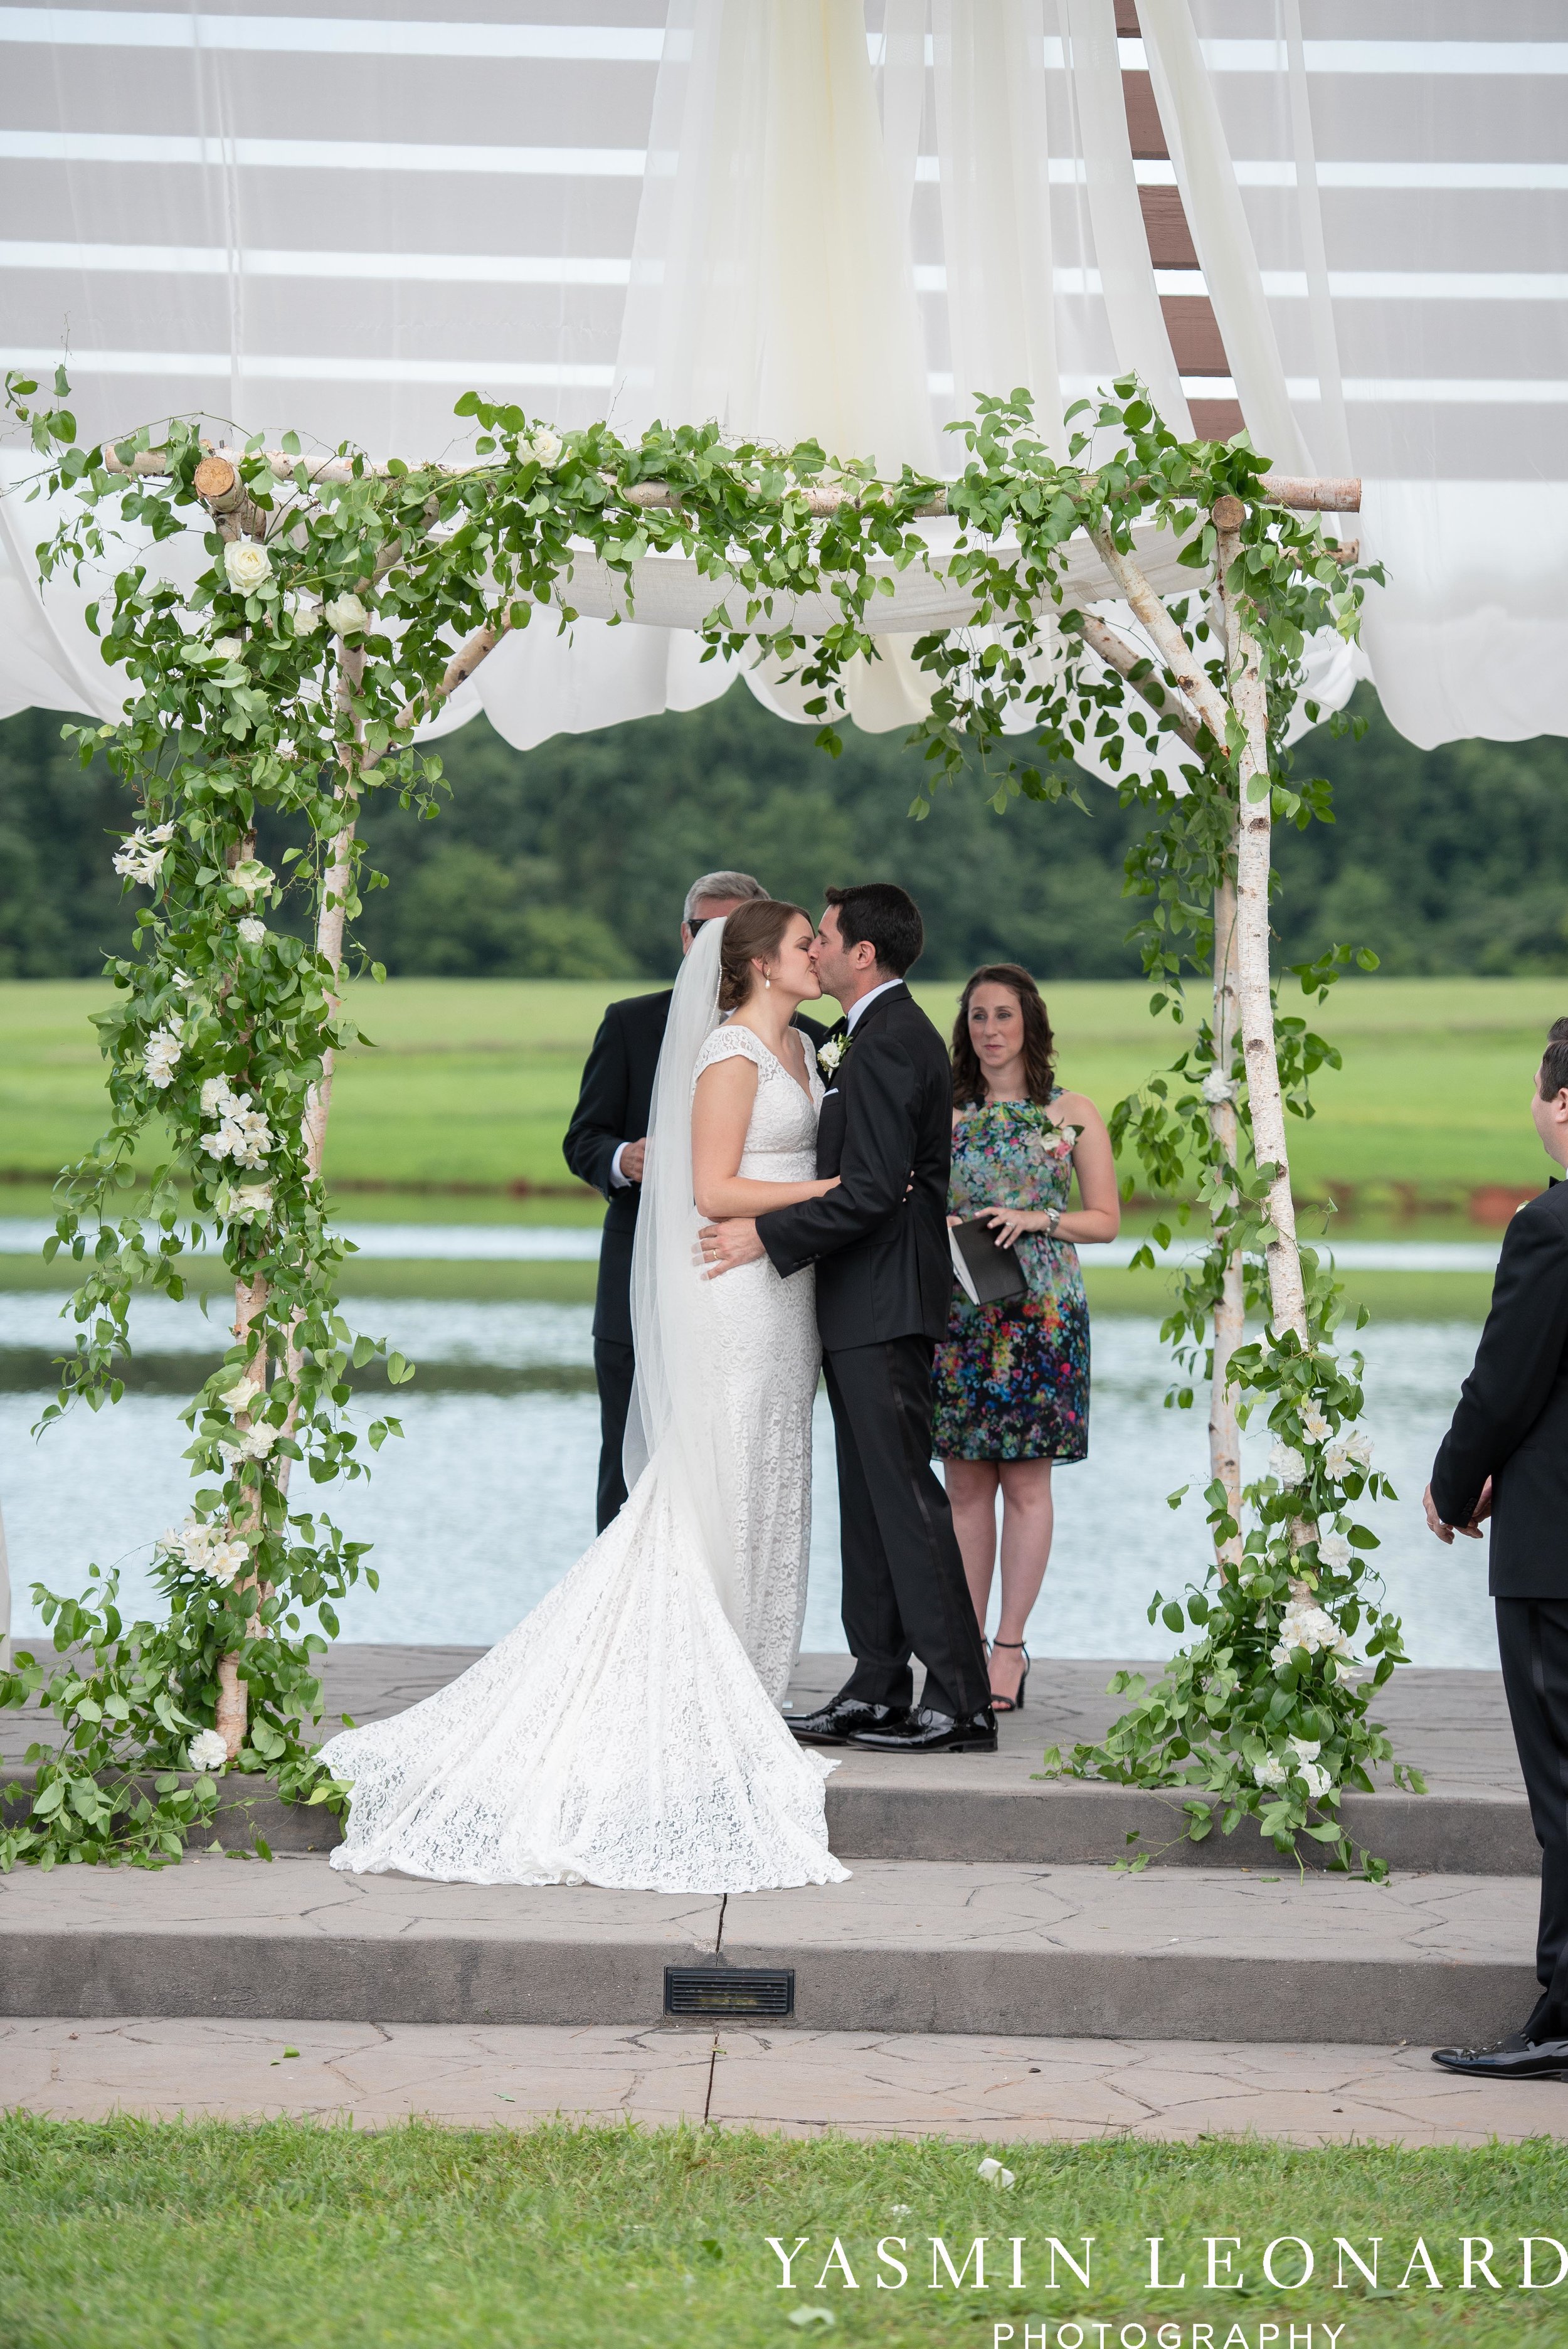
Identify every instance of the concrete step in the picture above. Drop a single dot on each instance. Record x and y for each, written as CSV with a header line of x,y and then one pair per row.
x,y
906,1946
975,1808
994,1808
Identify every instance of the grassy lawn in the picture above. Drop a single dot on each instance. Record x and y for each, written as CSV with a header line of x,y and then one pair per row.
x,y
473,1080
130,2235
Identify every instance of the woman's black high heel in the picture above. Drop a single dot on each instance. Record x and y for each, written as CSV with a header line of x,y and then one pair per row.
x,y
1011,1703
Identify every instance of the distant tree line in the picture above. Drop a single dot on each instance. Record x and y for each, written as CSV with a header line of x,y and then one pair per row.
x,y
571,861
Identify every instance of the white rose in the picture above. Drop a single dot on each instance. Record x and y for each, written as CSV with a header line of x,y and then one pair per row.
x,y
241,1396
256,1444
1286,1463
1335,1551
1309,1627
248,1200
208,1751
186,1542
160,1055
346,615
141,859
227,649
225,1560
253,1138
247,564
1307,1748
1217,1088
252,931
1270,1771
1316,1779
251,876
544,448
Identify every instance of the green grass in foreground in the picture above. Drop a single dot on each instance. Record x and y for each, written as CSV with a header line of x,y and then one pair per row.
x,y
474,1080
131,2235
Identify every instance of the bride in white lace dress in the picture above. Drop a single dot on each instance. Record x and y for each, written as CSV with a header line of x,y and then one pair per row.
x,y
627,1733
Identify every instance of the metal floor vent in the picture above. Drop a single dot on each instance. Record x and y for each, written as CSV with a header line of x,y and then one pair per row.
x,y
729,1989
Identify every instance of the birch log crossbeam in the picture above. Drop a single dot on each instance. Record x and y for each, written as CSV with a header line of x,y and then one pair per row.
x,y
1124,658
1305,495
218,484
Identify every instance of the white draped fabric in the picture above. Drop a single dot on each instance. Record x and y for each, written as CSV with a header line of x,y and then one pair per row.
x,y
815,217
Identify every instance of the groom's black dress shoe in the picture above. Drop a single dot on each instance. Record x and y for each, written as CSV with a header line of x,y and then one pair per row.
x,y
923,1731
1514,2058
836,1724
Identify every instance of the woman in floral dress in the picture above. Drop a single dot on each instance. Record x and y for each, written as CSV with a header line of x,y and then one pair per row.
x,y
1012,1379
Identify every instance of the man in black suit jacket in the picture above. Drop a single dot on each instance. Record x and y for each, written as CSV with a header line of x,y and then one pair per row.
x,y
604,1146
884,1285
1506,1457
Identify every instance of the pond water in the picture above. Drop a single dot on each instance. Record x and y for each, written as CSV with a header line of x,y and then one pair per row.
x,y
489,1498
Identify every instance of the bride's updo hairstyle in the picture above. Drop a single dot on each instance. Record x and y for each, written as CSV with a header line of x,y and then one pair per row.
x,y
752,933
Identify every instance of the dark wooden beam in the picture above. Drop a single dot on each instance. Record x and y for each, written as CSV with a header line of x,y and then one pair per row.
x,y
1143,124
1194,333
1190,321
1216,419
1170,244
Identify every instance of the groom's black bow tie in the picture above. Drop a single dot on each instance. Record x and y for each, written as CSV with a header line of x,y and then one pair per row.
x,y
840,1028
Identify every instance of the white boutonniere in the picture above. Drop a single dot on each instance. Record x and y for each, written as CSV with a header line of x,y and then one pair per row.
x,y
831,1054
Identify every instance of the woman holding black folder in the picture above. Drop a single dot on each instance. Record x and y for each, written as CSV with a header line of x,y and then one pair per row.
x,y
1012,1376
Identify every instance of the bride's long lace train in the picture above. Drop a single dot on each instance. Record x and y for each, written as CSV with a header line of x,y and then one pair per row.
x,y
618,1736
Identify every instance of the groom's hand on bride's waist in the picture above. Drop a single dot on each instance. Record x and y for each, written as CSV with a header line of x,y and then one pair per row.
x,y
723,1246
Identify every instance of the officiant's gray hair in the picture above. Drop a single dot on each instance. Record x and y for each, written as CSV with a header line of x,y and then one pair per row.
x,y
719,885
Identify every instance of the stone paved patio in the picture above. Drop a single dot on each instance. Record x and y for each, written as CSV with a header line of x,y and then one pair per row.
x,y
800,2082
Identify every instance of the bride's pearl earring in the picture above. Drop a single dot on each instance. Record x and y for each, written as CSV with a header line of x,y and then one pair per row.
x,y
766,981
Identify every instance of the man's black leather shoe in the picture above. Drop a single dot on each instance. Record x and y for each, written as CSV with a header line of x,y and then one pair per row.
x,y
923,1731
836,1724
1514,2058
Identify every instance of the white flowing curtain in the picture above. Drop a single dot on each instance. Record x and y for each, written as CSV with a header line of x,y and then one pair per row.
x,y
797,216
1398,196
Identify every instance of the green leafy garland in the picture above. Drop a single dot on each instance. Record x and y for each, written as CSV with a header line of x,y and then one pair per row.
x,y
1266,1714
331,610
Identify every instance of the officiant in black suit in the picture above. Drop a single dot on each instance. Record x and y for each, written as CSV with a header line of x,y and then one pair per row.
x,y
1506,1457
604,1147
884,1284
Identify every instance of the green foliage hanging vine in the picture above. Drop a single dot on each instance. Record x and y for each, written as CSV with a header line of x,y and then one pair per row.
x,y
327,607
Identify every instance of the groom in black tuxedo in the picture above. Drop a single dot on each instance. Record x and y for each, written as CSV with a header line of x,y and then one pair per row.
x,y
884,1285
1506,1457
